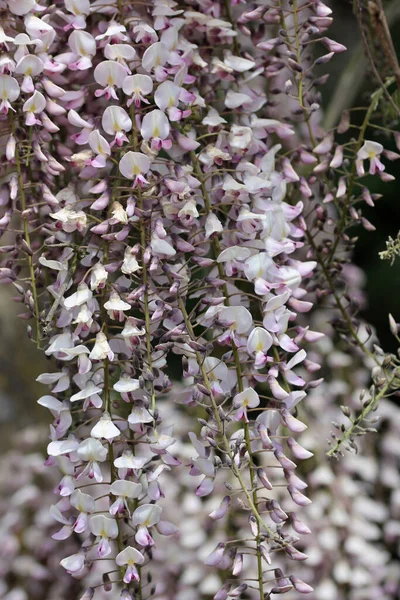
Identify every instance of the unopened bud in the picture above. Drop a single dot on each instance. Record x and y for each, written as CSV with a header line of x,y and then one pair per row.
x,y
107,584
394,328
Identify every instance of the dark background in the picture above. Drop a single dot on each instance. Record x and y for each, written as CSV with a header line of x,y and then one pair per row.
x,y
382,280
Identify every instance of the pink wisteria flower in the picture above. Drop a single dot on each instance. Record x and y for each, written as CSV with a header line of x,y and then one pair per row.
x,y
169,201
370,151
130,557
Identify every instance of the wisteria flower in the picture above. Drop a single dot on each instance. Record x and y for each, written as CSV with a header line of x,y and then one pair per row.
x,y
92,451
74,564
116,121
29,66
155,127
124,490
144,517
101,350
9,92
83,46
105,428
370,151
135,165
80,9
137,87
244,400
109,74
106,529
85,504
130,556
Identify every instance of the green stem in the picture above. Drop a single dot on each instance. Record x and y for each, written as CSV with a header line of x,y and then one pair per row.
x,y
353,175
338,301
26,227
228,9
364,413
145,275
221,430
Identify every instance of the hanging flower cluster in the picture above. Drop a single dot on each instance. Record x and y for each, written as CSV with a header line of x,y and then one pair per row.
x,y
154,204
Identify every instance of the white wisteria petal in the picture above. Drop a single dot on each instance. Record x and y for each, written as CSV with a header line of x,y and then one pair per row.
x,y
126,384
370,149
98,143
138,415
73,564
238,63
138,85
115,119
133,164
130,461
116,303
105,428
147,515
120,51
127,489
114,29
237,318
236,99
102,526
213,118
110,73
81,296
21,7
212,225
35,104
82,502
78,7
101,350
9,88
215,368
35,27
75,119
89,389
92,450
129,556
167,95
51,403
248,398
60,447
156,55
82,43
155,124
260,340
161,247
130,264
233,253
29,65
